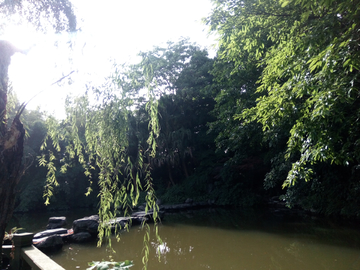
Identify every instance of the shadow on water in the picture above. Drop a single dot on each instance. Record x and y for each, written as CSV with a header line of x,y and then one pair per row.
x,y
286,224
217,238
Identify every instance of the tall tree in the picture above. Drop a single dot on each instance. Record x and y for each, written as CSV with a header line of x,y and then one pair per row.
x,y
183,86
11,144
58,15
308,86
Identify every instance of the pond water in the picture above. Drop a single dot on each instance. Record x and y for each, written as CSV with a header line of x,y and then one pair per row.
x,y
225,239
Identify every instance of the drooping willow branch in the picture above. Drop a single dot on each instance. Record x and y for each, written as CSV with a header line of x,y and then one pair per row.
x,y
98,136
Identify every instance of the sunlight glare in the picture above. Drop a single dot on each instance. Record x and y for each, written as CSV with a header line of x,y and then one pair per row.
x,y
115,31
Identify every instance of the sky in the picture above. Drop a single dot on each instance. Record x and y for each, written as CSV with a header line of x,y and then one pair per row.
x,y
113,30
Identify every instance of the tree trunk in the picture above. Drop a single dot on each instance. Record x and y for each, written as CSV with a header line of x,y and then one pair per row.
x,y
11,145
170,174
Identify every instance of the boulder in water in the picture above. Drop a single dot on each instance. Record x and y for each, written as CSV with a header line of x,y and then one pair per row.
x,y
56,222
51,243
87,224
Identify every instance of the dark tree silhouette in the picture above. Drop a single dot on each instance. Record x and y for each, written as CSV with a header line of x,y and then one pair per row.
x,y
11,143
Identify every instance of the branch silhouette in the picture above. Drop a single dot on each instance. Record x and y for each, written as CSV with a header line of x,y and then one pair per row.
x,y
24,104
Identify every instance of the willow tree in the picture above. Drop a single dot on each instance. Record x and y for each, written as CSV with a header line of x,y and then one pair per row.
x,y
98,132
104,131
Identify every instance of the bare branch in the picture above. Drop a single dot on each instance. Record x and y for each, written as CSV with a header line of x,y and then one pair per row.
x,y
22,106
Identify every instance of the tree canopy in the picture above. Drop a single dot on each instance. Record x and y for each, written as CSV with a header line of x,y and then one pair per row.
x,y
308,58
44,15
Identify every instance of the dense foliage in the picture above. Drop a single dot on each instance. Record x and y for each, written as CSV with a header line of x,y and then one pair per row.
x,y
275,113
307,56
276,108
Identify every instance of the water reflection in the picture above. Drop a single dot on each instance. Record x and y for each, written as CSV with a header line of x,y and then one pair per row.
x,y
220,239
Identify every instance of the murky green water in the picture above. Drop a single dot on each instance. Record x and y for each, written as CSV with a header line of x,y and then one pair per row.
x,y
220,239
